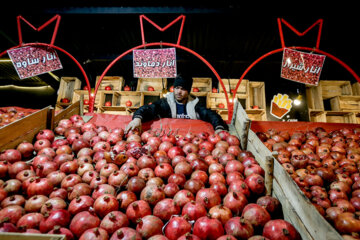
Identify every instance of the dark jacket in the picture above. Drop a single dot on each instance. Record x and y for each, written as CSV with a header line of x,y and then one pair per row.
x,y
166,108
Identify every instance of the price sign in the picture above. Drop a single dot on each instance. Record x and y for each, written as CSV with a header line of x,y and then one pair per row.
x,y
302,67
154,63
34,60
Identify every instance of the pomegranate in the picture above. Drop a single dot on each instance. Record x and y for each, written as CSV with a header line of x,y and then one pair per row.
x,y
30,220
138,209
176,227
34,203
126,233
220,212
95,233
104,204
83,221
239,227
208,197
40,186
165,208
208,228
125,198
80,203
256,214
113,221
60,217
193,210
149,226
280,229
235,202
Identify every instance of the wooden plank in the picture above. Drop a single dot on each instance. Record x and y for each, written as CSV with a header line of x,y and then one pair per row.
x,y
314,98
316,224
242,123
157,83
203,84
289,212
67,113
31,236
115,82
345,103
356,89
24,129
332,88
256,95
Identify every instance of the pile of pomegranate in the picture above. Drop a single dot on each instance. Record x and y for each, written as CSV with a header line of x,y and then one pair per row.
x,y
11,114
325,165
90,182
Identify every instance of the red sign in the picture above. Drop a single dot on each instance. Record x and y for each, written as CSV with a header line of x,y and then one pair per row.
x,y
154,63
34,60
302,67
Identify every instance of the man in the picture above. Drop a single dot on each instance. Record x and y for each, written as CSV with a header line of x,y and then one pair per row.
x,y
178,104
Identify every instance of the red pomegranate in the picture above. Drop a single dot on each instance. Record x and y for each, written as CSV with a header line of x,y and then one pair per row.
x,y
208,228
280,229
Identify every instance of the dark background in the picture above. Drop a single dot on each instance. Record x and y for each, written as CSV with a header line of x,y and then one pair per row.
x,y
230,35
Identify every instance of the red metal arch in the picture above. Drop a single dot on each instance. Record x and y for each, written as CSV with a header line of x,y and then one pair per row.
x,y
61,50
352,72
91,102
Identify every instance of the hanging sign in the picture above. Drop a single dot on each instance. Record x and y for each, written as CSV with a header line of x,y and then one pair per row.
x,y
302,67
280,105
34,60
154,63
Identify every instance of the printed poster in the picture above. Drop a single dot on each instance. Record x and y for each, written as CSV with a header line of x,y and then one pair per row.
x,y
34,60
302,67
154,63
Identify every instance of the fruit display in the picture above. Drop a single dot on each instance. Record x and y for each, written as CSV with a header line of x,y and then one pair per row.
x,y
91,182
11,114
325,166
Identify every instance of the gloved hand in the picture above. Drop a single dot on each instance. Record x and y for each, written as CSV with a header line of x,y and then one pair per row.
x,y
135,123
219,130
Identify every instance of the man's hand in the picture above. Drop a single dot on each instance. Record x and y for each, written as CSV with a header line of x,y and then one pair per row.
x,y
135,123
219,130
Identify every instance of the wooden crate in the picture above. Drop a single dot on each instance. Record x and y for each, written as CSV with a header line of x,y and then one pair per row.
x,y
31,236
157,83
332,88
340,117
26,128
256,95
297,208
317,116
345,103
115,82
231,84
356,89
149,97
214,99
257,114
203,84
84,95
117,110
67,87
120,99
314,98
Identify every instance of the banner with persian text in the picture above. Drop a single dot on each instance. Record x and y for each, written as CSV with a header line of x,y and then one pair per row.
x,y
154,63
302,67
34,60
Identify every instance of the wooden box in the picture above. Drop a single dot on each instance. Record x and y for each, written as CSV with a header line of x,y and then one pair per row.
x,y
66,89
340,117
314,98
121,98
214,99
83,95
257,114
115,82
203,84
356,89
149,97
231,84
256,95
334,88
345,103
31,236
157,83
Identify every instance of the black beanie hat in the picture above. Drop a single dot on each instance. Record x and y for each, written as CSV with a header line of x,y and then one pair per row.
x,y
185,83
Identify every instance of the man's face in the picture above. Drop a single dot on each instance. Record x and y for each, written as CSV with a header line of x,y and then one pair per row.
x,y
180,94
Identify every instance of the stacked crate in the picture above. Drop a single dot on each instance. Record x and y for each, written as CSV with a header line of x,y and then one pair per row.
x,y
334,102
